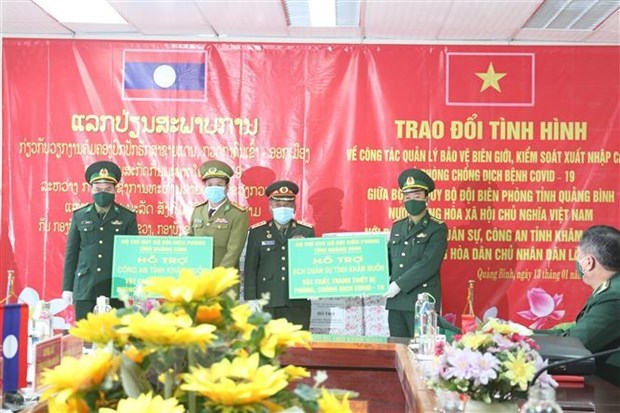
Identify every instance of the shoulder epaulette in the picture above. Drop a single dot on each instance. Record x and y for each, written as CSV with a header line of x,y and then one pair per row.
x,y
258,224
436,220
82,207
402,219
133,211
239,207
305,224
200,204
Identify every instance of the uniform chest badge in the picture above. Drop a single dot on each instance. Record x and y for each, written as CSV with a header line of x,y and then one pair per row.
x,y
272,242
198,221
116,222
268,235
421,235
221,221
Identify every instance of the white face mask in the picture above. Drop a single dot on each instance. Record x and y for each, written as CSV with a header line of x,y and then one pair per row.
x,y
283,215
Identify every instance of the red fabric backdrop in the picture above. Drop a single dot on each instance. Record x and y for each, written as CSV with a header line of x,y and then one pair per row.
x,y
523,143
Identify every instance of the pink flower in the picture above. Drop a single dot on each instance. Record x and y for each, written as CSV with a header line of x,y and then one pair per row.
x,y
542,307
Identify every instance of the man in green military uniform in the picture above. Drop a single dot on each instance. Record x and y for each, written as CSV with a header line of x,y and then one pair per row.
x,y
220,218
266,259
416,249
598,323
90,244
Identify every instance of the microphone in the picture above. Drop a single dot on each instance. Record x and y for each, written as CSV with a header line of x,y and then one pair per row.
x,y
572,360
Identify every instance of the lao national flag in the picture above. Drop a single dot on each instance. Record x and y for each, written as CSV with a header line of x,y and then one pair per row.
x,y
164,75
490,79
14,327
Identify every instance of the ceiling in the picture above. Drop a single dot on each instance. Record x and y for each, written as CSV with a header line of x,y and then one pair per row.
x,y
382,21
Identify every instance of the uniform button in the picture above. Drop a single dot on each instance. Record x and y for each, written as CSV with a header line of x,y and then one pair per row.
x,y
400,265
99,256
264,279
99,269
100,241
283,247
406,242
283,258
283,268
100,228
208,224
268,249
283,278
85,229
424,285
117,229
403,254
79,273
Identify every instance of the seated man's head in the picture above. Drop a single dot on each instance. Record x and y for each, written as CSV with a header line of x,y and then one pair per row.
x,y
598,254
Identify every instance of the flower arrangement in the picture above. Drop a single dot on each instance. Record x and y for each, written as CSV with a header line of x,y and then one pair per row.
x,y
199,351
493,363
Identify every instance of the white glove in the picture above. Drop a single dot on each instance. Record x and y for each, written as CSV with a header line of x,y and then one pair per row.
x,y
67,297
255,305
392,291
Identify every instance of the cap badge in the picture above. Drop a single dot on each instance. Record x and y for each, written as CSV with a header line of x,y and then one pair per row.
x,y
284,190
410,181
103,172
212,170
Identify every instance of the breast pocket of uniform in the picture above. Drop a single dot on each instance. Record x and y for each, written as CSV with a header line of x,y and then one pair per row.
x,y
395,247
419,246
87,231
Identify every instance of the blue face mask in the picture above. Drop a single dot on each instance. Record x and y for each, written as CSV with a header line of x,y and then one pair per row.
x,y
215,194
283,215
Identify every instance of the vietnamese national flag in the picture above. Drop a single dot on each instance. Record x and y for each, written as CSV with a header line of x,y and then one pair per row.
x,y
490,79
164,75
14,327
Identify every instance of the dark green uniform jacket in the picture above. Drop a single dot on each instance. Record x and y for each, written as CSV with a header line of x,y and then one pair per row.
x,y
88,258
598,327
228,226
415,256
266,262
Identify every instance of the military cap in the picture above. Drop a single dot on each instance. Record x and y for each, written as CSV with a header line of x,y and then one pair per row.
x,y
413,179
103,171
282,190
215,169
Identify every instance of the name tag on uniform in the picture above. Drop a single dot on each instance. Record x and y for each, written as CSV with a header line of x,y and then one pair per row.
x,y
271,242
86,222
116,222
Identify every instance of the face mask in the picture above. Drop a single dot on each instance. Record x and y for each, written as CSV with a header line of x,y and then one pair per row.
x,y
215,194
414,207
103,199
579,269
283,215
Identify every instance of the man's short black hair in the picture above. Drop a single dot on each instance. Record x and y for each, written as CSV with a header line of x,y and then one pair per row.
x,y
603,242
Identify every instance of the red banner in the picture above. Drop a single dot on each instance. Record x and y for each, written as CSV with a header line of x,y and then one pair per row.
x,y
522,142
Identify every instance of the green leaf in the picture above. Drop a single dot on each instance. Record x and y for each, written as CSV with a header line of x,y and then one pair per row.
x,y
133,378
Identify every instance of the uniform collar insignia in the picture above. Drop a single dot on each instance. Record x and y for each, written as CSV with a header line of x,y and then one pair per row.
x,y
602,287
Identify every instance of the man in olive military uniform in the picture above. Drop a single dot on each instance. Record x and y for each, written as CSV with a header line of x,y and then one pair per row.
x,y
90,244
220,218
416,249
598,323
266,259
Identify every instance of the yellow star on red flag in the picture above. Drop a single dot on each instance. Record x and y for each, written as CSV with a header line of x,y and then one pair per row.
x,y
490,79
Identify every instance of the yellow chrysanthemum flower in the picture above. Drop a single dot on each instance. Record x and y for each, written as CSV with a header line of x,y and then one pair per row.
x,y
240,382
73,405
280,333
506,327
519,370
189,287
146,403
211,314
73,376
99,328
328,403
295,372
135,355
475,340
158,329
240,314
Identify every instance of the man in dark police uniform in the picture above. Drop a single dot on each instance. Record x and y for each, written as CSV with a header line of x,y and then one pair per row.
x,y
266,259
416,249
88,258
218,217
